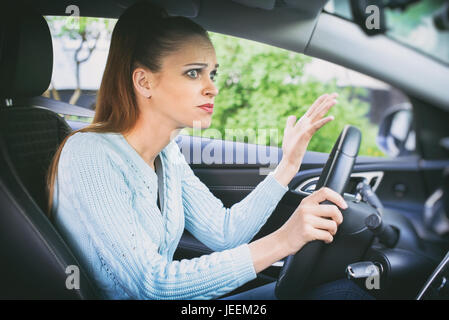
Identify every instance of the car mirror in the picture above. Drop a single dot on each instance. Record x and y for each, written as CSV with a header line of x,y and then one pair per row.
x,y
370,14
396,136
363,11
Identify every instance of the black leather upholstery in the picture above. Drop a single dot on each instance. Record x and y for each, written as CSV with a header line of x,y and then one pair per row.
x,y
26,60
33,256
31,136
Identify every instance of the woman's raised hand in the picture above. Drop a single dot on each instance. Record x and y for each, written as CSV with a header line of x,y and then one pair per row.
x,y
297,134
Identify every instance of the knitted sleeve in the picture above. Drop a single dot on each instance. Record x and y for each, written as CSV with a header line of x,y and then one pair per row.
x,y
103,199
219,227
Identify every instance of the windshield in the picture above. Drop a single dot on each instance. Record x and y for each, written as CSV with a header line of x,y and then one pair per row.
x,y
422,25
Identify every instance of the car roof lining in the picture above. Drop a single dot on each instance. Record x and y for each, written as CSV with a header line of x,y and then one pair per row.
x,y
299,26
294,19
188,8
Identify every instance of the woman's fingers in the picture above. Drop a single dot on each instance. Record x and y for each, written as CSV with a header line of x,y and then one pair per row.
x,y
324,224
329,211
291,120
327,194
317,125
316,105
322,235
313,117
324,108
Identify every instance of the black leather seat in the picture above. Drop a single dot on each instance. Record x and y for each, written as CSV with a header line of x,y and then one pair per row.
x,y
33,256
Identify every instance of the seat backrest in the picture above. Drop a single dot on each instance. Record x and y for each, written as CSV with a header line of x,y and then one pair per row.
x,y
31,136
35,262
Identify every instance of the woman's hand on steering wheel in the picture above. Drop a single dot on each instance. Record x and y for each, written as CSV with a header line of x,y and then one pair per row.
x,y
312,220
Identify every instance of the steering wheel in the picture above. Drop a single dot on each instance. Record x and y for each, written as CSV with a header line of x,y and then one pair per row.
x,y
295,274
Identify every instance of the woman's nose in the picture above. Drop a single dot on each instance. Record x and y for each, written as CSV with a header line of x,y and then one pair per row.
x,y
210,89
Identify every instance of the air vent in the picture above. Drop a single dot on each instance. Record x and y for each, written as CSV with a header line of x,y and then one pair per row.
x,y
373,178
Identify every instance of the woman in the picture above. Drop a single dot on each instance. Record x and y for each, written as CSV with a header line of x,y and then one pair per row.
x,y
121,193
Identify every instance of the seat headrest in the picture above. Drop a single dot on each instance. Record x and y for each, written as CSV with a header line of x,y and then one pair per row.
x,y
26,52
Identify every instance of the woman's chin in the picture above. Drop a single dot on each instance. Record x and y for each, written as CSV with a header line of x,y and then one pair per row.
x,y
201,123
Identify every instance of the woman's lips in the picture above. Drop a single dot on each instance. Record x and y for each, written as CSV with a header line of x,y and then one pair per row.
x,y
207,107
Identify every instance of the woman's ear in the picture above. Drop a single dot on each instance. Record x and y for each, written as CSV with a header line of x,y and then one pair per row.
x,y
141,82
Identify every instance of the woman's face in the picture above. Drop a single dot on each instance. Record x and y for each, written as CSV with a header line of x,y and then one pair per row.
x,y
185,82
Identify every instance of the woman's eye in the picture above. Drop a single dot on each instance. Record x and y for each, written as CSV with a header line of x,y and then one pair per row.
x,y
193,73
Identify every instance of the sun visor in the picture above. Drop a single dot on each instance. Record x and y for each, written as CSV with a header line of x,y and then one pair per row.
x,y
312,8
262,4
185,8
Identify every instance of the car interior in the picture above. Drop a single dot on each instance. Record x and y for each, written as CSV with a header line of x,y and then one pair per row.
x,y
398,212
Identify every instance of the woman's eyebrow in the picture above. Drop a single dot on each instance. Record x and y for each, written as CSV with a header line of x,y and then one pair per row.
x,y
200,64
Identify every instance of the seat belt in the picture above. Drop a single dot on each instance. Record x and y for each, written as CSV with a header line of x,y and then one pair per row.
x,y
160,179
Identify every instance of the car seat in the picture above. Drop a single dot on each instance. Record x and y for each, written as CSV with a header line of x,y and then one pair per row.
x,y
35,262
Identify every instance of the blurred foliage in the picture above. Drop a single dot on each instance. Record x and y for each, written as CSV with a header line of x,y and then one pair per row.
x,y
260,86
79,27
403,22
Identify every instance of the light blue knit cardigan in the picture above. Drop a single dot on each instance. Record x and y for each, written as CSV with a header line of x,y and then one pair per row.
x,y
105,208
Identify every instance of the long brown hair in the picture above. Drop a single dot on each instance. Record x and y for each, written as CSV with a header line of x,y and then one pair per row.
x,y
143,34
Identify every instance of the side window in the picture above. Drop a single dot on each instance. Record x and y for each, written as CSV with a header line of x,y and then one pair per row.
x,y
80,50
261,85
